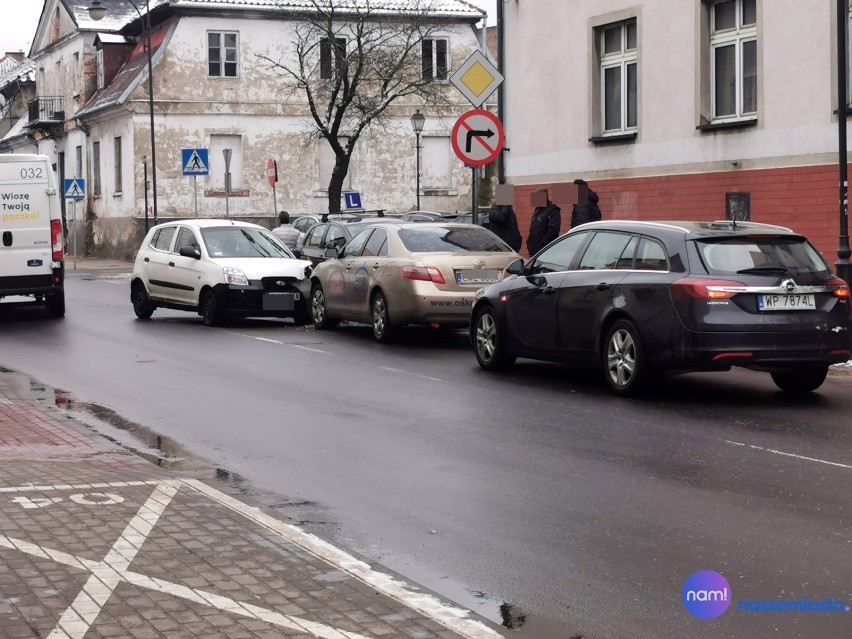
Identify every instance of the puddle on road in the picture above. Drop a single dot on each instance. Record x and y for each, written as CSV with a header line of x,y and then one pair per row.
x,y
167,453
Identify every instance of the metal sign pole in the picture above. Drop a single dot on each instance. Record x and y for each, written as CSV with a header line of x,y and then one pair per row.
x,y
227,154
195,190
474,209
75,234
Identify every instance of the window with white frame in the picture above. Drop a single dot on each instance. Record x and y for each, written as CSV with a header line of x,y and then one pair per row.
x,y
331,56
222,54
733,59
117,163
434,58
99,58
619,78
96,168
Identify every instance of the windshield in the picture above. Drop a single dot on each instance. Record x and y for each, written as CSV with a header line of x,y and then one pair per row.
x,y
240,241
770,255
450,239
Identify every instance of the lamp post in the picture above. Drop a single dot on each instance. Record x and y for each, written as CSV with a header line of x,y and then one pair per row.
x,y
843,267
145,178
97,12
417,122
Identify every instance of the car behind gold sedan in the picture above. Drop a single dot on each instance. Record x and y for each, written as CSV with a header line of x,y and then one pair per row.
x,y
390,275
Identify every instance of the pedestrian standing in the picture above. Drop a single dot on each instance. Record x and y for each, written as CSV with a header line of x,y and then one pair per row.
x,y
545,224
291,238
503,222
588,211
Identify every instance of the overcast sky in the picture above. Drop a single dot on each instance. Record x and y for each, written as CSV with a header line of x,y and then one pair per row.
x,y
19,19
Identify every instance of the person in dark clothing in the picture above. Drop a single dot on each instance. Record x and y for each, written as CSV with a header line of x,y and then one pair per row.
x,y
503,222
544,226
589,210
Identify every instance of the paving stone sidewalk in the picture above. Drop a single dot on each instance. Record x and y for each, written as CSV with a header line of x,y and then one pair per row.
x,y
96,542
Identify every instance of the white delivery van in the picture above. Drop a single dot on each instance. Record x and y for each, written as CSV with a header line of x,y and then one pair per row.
x,y
32,260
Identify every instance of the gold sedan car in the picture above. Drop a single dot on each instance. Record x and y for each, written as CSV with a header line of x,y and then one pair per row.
x,y
390,275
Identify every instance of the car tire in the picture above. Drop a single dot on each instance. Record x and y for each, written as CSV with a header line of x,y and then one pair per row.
x,y
319,313
802,379
625,367
210,311
488,341
142,304
56,304
383,328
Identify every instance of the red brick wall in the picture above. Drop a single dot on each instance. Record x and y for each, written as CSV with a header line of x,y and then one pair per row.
x,y
802,198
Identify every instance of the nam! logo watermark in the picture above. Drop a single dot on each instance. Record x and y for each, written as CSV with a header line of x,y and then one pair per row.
x,y
706,594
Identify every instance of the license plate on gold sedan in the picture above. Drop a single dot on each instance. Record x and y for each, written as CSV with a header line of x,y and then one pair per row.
x,y
477,276
794,302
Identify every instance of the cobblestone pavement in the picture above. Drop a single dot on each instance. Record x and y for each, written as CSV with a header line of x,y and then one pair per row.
x,y
97,543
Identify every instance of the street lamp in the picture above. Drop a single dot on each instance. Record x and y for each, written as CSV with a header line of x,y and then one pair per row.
x,y
417,122
843,267
97,12
145,178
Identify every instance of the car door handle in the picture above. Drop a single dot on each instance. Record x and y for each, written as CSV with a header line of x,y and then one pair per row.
x,y
549,290
376,265
603,286
171,263
145,259
348,266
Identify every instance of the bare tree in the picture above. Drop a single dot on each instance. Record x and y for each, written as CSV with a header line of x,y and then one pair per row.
x,y
351,63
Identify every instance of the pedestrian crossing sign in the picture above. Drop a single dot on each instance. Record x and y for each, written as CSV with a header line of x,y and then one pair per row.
x,y
194,162
75,189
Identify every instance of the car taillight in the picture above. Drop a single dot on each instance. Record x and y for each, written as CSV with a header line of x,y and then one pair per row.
x,y
704,289
425,273
56,239
839,288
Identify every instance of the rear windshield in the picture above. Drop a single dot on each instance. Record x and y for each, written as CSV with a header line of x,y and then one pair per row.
x,y
236,241
441,239
761,255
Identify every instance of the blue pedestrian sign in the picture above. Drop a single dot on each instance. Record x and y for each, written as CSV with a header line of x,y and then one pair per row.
x,y
352,199
75,189
194,162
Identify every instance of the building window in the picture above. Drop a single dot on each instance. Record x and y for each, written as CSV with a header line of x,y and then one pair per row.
x,y
434,59
96,168
99,58
117,161
331,57
78,161
222,54
733,59
619,77
76,74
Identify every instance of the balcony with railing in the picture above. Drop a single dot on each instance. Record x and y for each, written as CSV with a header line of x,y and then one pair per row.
x,y
47,116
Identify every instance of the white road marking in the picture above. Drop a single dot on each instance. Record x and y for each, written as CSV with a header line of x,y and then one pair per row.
x,y
116,484
456,619
404,372
309,349
785,454
107,574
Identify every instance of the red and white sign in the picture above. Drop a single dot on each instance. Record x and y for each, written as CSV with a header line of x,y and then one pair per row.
x,y
478,137
272,171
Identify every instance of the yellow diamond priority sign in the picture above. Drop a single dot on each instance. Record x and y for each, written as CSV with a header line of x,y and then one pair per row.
x,y
477,78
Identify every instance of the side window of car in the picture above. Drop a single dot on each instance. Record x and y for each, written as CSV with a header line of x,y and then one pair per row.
x,y
314,237
354,246
185,238
625,260
377,246
335,234
559,256
651,256
604,250
163,240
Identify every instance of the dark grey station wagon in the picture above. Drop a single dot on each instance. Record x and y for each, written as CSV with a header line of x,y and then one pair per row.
x,y
637,299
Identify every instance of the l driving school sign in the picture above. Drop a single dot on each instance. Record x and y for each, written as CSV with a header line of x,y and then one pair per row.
x,y
478,137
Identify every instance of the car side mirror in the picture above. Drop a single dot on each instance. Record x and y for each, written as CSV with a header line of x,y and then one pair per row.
x,y
331,250
515,267
297,253
190,251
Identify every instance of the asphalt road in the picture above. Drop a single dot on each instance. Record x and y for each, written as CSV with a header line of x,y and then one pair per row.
x,y
584,514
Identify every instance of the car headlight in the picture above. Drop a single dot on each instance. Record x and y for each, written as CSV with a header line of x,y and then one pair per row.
x,y
235,276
